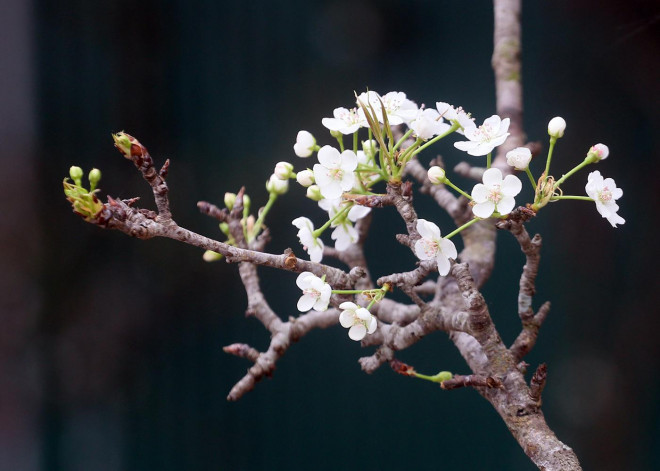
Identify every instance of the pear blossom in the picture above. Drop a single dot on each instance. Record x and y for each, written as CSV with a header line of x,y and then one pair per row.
x,y
345,121
432,246
483,139
312,244
305,144
605,193
344,234
598,152
455,115
428,123
358,320
370,147
305,178
316,292
556,127
398,108
277,186
495,194
519,158
334,173
314,193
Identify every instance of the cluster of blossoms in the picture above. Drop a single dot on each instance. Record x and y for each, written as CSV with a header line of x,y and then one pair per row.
x,y
343,175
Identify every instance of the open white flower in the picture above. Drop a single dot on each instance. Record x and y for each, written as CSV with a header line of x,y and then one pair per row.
x,y
455,115
345,121
495,194
605,193
358,320
519,158
344,235
304,145
313,245
428,123
316,292
483,139
334,175
432,246
398,108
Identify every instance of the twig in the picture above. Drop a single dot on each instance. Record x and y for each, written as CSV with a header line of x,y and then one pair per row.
x,y
474,381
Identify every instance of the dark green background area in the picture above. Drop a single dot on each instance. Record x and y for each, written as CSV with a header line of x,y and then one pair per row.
x,y
130,333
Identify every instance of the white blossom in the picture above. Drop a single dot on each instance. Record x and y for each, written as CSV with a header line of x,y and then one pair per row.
x,y
432,246
519,158
334,173
345,121
314,193
305,178
316,292
344,235
557,126
305,144
495,194
358,320
483,139
313,245
398,108
455,115
428,123
605,193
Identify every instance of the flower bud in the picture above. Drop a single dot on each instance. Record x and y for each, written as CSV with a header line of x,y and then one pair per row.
x,y
442,376
230,200
277,186
305,144
94,178
314,193
370,147
283,170
224,227
436,175
246,203
556,127
598,152
123,143
211,256
519,158
76,174
305,177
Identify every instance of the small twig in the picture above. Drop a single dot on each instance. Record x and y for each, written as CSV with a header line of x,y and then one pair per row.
x,y
537,383
213,211
474,381
242,350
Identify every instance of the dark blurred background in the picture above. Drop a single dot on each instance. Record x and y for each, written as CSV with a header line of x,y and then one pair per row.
x,y
111,348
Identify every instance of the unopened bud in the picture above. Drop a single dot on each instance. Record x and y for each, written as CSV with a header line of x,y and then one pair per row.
x,y
598,152
76,174
230,200
436,175
224,227
94,178
519,158
369,147
211,256
314,193
283,170
442,376
305,144
305,178
123,143
556,127
277,186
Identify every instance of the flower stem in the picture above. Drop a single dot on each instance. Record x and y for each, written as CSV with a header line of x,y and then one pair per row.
x,y
448,183
453,128
553,141
531,177
570,197
257,225
488,160
583,164
403,139
464,226
355,142
339,215
340,140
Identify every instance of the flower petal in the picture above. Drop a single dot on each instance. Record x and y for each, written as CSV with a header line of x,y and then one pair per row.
x,y
306,302
301,280
448,248
505,205
480,193
346,319
357,332
483,210
329,157
492,176
511,185
428,229
425,250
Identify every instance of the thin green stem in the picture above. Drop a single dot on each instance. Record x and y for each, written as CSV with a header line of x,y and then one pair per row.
x,y
583,164
488,159
464,226
450,184
403,139
260,220
553,141
340,140
355,142
531,178
453,128
571,197
339,215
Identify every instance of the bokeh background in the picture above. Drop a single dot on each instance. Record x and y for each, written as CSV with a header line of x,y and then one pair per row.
x,y
111,348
